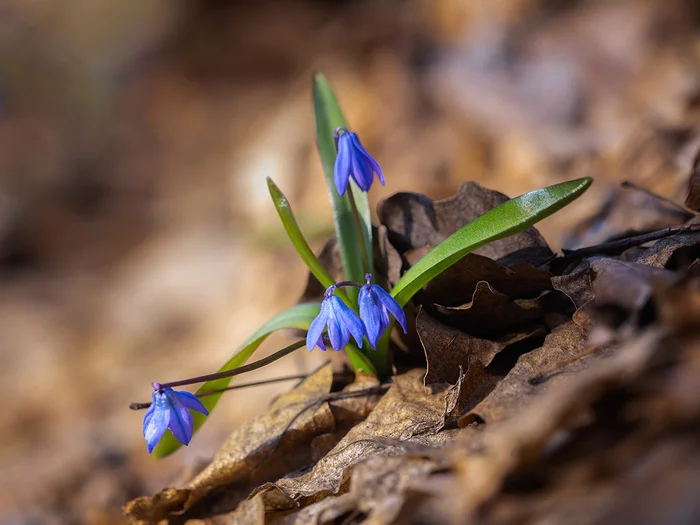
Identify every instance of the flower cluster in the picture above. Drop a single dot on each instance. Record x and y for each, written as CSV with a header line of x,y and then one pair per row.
x,y
170,409
375,305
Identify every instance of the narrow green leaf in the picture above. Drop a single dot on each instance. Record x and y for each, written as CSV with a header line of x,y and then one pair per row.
x,y
299,317
359,360
290,225
329,117
507,219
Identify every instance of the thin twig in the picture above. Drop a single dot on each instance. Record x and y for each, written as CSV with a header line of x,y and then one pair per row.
x,y
620,245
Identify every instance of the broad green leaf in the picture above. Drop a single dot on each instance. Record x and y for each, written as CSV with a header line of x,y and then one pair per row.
x,y
329,117
299,317
506,219
290,225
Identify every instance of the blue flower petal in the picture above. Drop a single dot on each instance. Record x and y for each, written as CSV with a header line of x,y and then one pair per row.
x,y
335,330
190,401
371,314
343,164
158,420
392,306
314,336
350,322
181,421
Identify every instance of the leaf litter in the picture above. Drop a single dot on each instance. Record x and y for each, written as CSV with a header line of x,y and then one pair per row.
x,y
548,390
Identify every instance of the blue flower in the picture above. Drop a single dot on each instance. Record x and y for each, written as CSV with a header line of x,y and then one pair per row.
x,y
375,307
342,322
354,161
170,409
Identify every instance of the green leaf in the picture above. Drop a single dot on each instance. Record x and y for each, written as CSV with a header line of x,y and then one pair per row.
x,y
290,225
506,219
329,117
299,317
359,360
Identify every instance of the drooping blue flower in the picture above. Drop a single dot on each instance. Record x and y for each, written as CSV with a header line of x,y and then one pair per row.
x,y
353,161
341,321
375,307
170,409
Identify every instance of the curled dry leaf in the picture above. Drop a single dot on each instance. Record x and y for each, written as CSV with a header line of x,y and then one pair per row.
x,y
491,312
533,370
626,286
404,420
447,348
456,285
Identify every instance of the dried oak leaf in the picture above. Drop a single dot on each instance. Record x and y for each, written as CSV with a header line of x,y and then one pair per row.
x,y
457,284
415,221
405,419
624,285
521,383
576,284
263,449
378,491
388,260
693,199
470,389
674,253
447,348
491,312
484,457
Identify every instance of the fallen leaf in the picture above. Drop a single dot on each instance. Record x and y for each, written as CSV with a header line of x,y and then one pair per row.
x,y
405,419
447,348
490,312
456,285
519,386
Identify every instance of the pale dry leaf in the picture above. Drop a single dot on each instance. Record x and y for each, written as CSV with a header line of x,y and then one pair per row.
x,y
404,419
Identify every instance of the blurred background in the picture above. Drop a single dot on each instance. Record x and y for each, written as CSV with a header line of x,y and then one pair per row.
x,y
137,240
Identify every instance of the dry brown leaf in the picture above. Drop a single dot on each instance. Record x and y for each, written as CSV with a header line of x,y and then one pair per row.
x,y
491,312
404,420
471,388
576,284
693,199
625,285
674,253
517,389
457,284
447,348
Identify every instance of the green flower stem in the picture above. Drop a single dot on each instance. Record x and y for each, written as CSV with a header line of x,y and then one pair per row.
x,y
364,254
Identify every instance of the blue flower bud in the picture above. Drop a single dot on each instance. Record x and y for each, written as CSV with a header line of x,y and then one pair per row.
x,y
375,307
341,321
170,409
354,161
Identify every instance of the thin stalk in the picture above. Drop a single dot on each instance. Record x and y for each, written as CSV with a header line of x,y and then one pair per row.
x,y
241,369
364,254
140,406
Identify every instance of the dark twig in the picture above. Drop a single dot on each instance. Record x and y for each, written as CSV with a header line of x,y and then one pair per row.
x,y
632,186
620,245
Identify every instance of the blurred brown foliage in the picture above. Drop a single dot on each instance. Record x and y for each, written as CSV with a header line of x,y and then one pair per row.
x,y
135,228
